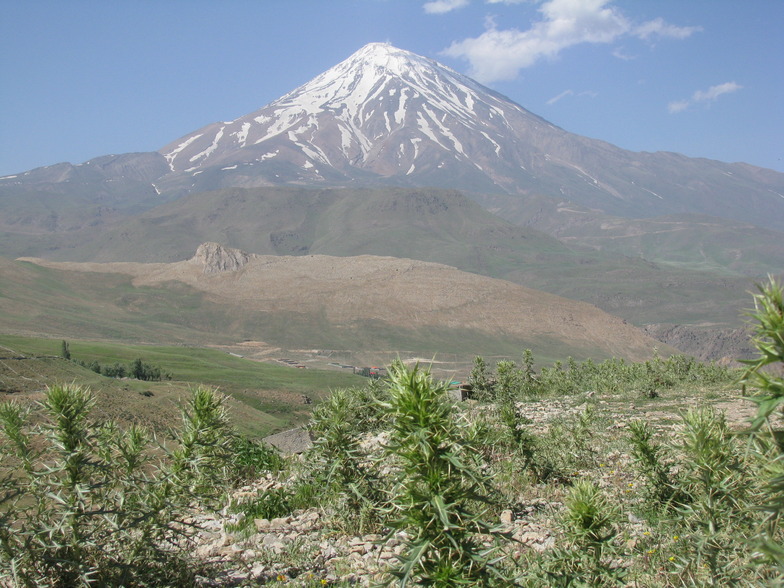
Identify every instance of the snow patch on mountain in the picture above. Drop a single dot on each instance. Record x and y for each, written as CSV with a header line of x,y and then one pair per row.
x,y
242,135
206,153
172,154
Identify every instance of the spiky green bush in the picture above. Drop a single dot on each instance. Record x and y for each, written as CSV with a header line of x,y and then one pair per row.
x,y
252,458
718,512
765,379
87,504
611,376
340,474
440,495
661,484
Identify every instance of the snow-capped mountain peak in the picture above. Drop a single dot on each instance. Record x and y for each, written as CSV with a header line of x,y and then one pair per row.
x,y
391,117
383,111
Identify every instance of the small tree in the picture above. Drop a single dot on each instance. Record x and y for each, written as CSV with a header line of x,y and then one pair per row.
x,y
144,371
65,352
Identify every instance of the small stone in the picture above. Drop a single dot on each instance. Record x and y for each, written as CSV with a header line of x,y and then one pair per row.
x,y
507,517
279,523
634,518
205,551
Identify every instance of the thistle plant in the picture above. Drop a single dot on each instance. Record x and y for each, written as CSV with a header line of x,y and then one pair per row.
x,y
509,381
765,374
589,526
661,488
527,370
340,470
480,378
86,504
440,496
201,462
252,458
336,439
718,508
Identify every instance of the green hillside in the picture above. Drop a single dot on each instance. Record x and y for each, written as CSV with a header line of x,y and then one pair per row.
x,y
61,304
444,227
265,397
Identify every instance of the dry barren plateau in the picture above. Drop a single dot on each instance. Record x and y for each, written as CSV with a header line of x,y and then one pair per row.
x,y
405,294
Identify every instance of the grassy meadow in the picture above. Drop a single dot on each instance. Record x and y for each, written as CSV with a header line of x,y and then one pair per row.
x,y
265,398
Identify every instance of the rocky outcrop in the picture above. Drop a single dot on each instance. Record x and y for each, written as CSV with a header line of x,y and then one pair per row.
x,y
217,259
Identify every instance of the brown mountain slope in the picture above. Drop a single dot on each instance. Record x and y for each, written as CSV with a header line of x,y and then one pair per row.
x,y
384,301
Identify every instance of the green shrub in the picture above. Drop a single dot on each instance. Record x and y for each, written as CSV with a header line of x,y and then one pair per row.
x,y
480,379
662,488
765,375
117,370
440,491
719,514
608,377
84,504
251,458
589,556
341,471
203,460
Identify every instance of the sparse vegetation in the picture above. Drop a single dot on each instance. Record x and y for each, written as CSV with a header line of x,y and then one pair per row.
x,y
554,476
611,376
85,503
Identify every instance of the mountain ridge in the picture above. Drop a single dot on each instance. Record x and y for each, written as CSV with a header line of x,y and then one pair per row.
x,y
387,115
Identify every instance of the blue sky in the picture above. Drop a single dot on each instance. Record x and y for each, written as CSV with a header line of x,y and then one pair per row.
x,y
85,78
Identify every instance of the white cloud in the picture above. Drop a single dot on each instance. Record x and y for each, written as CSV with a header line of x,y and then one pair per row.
x,y
708,95
715,91
443,6
563,94
678,106
501,54
619,53
657,27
